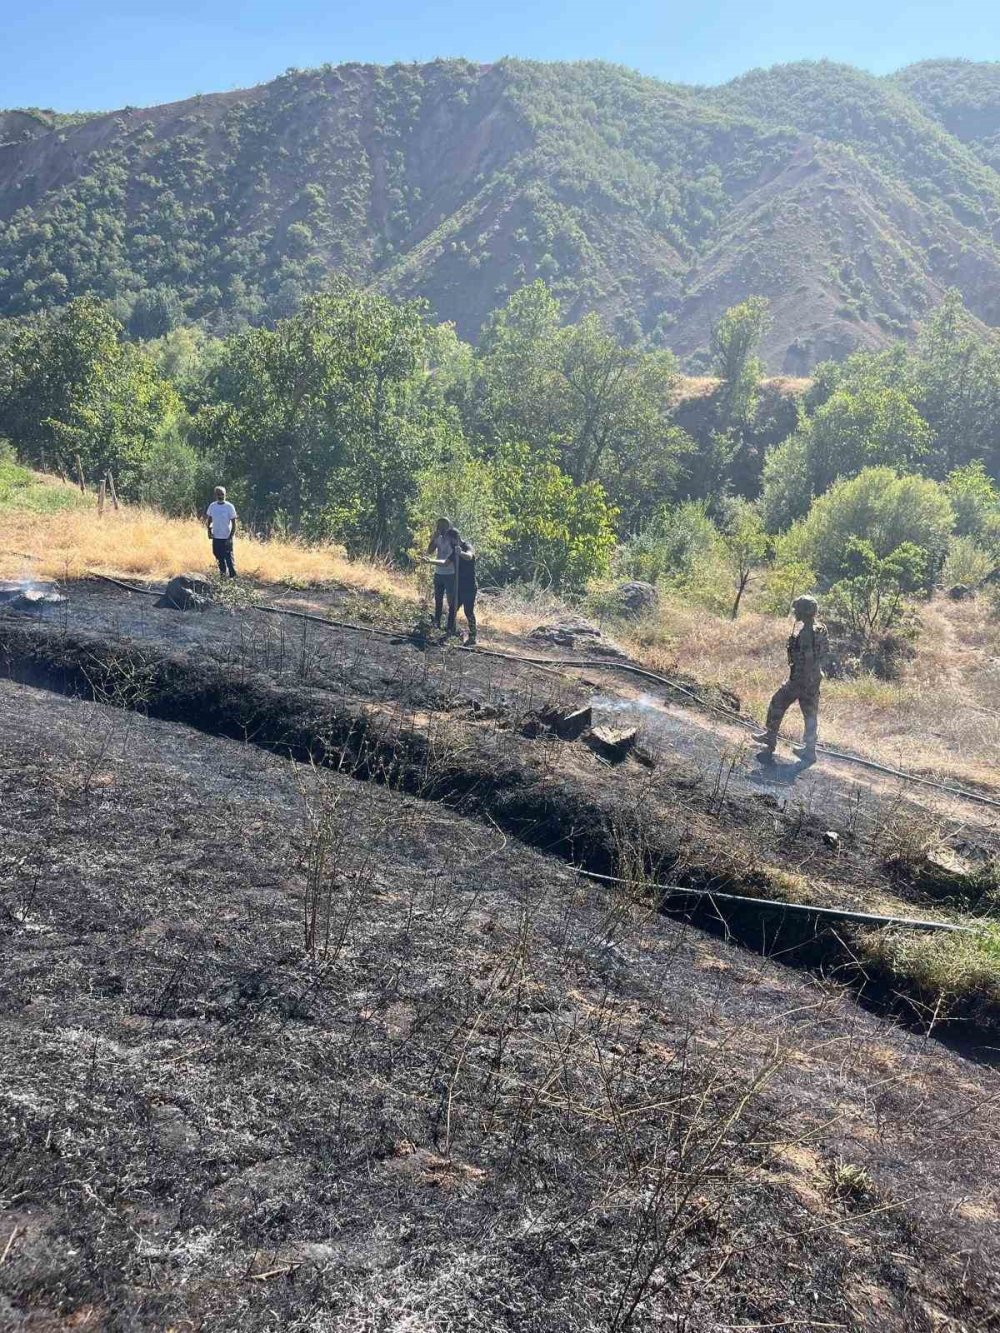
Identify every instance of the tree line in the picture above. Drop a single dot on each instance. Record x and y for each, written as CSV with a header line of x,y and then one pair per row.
x,y
564,451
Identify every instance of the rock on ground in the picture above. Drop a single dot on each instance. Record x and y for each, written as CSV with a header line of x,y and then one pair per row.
x,y
186,592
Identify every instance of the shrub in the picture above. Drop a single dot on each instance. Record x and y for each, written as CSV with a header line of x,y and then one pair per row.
x,y
560,534
790,576
966,563
975,499
669,547
787,487
464,491
869,601
176,478
884,511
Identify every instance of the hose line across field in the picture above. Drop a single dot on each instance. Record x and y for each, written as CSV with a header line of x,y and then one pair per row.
x,y
778,904
612,664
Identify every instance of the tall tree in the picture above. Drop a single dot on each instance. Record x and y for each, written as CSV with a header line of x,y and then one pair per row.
x,y
71,386
329,417
736,341
599,409
958,389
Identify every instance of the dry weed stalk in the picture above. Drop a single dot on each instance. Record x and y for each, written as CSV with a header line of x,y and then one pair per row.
x,y
340,864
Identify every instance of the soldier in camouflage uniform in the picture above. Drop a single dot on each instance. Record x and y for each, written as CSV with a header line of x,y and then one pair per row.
x,y
808,646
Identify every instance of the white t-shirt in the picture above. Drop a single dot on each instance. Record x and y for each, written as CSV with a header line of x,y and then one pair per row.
x,y
442,549
222,513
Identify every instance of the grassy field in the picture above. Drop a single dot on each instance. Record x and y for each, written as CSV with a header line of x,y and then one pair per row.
x,y
49,530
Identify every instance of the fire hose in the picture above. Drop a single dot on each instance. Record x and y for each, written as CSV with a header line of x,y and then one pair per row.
x,y
807,909
606,664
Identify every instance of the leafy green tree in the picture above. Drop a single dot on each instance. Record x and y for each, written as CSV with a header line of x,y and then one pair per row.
x,y
559,534
157,310
786,481
788,576
176,477
600,407
736,340
745,542
886,511
71,386
865,422
463,488
958,393
975,498
611,399
329,418
869,425
513,393
187,356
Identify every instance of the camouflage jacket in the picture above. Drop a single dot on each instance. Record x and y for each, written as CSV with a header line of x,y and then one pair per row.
x,y
808,647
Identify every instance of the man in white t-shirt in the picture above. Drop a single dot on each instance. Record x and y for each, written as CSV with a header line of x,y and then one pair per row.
x,y
220,517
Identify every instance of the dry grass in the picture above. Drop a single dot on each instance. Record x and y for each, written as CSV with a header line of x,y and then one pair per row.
x,y
141,543
689,387
941,716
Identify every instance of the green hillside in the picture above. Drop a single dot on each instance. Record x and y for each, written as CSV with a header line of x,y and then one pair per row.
x,y
964,97
852,203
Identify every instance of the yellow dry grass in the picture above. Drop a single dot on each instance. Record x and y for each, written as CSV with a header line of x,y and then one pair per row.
x,y
141,543
941,716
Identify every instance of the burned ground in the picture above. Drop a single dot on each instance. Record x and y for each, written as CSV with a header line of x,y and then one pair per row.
x,y
284,1049
466,729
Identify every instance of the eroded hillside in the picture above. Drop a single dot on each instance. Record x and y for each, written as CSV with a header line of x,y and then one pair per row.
x,y
834,194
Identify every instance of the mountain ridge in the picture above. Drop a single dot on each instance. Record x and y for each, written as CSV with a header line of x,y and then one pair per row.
x,y
842,197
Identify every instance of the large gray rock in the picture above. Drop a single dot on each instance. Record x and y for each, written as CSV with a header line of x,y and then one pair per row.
x,y
636,598
186,592
564,633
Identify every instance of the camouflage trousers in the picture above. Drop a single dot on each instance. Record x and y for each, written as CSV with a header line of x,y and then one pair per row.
x,y
801,690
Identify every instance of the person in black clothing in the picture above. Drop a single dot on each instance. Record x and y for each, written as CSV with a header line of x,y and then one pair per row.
x,y
461,588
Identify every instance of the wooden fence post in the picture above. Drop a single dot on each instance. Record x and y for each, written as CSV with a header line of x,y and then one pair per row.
x,y
101,492
111,488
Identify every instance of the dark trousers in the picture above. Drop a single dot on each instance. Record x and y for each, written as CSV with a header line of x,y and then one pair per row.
x,y
800,689
467,601
222,549
441,587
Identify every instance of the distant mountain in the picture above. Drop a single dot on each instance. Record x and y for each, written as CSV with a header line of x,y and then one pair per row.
x,y
851,202
963,96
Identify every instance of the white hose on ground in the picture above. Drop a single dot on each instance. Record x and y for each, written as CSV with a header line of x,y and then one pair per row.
x,y
845,756
808,909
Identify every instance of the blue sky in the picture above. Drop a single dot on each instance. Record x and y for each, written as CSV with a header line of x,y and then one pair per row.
x,y
110,53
